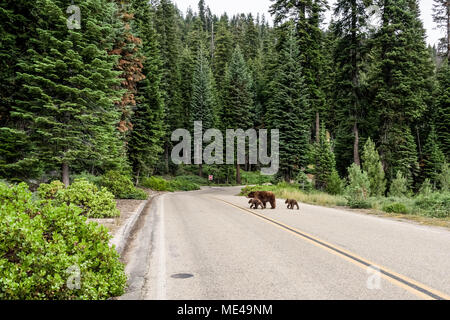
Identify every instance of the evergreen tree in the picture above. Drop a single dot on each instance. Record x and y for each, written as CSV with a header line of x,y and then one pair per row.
x,y
371,163
324,160
287,107
129,49
238,102
433,158
350,29
441,16
187,69
442,108
66,102
401,82
146,140
169,41
223,51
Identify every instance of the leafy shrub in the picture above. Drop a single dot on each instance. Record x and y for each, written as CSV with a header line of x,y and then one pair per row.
x,y
177,184
121,186
155,183
395,207
358,190
96,180
94,203
399,186
44,243
49,191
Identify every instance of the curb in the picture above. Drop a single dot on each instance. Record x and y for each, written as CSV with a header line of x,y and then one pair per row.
x,y
123,234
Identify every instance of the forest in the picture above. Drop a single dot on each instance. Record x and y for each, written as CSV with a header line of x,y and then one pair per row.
x,y
108,93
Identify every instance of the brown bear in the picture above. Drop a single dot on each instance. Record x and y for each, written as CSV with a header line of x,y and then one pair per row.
x,y
255,204
291,203
264,197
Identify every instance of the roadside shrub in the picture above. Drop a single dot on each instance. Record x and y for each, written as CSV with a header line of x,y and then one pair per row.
x,y
395,207
183,184
94,203
155,183
44,245
399,186
121,186
358,190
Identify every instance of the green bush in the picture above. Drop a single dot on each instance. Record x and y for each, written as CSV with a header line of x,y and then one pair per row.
x,y
96,180
44,245
395,207
358,190
49,191
155,183
178,184
399,186
444,178
121,186
93,202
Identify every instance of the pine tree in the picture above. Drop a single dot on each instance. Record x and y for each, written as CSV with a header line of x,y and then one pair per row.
x,y
441,16
223,51
442,108
433,158
202,104
169,42
236,112
307,15
129,49
325,162
66,101
401,83
287,107
146,140
350,29
371,163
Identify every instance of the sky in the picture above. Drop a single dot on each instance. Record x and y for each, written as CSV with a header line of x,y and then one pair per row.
x,y
262,6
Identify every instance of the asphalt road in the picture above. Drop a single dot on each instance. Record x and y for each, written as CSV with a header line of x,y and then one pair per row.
x,y
210,245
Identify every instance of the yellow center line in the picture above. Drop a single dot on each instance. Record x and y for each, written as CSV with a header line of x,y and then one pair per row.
x,y
415,287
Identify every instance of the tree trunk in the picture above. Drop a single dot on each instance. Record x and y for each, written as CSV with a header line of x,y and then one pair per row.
x,y
317,127
200,170
356,158
137,177
65,174
238,174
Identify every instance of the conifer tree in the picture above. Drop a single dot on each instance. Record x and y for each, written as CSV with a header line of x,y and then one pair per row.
x,y
287,107
401,83
441,15
350,29
324,158
433,158
66,101
371,163
146,140
238,101
166,25
442,108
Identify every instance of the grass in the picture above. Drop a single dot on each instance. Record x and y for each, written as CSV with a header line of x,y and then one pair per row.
x,y
432,209
290,191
